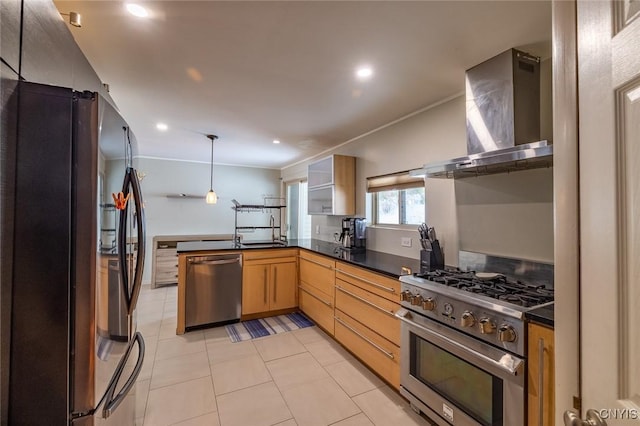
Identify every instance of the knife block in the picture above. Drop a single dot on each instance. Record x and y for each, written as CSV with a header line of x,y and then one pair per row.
x,y
430,260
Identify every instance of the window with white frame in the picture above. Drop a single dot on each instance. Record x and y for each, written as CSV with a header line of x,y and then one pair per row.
x,y
398,199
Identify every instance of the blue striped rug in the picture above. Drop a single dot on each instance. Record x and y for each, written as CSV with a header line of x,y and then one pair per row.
x,y
247,330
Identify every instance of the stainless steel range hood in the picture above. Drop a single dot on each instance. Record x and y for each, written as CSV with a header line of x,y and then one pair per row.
x,y
503,120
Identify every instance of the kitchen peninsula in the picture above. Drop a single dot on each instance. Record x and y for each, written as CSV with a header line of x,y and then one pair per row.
x,y
343,292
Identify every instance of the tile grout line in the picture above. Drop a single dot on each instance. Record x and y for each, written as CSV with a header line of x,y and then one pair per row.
x,y
196,417
213,385
167,313
276,385
329,376
146,402
340,386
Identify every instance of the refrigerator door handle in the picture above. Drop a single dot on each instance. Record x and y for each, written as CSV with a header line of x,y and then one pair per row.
x,y
111,403
122,241
141,227
132,183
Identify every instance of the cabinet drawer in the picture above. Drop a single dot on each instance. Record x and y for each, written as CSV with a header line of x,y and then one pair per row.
x,y
167,262
317,306
164,253
167,276
378,353
382,286
268,254
370,309
320,260
317,271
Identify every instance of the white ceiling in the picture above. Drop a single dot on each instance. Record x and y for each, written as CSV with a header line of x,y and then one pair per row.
x,y
251,72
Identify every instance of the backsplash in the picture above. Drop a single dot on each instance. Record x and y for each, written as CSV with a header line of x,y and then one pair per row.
x,y
507,215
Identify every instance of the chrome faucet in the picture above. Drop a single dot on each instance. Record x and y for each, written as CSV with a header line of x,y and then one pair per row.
x,y
272,223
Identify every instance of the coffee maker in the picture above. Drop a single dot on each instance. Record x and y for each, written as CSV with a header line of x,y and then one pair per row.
x,y
352,236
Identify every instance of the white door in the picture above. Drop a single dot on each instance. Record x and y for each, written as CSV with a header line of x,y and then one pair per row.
x,y
608,35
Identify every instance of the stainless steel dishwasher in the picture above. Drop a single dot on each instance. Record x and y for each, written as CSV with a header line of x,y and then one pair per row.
x,y
213,289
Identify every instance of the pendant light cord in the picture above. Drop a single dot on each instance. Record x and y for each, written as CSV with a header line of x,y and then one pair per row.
x,y
211,172
213,138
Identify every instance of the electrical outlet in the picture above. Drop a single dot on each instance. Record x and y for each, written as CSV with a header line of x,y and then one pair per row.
x,y
405,242
317,229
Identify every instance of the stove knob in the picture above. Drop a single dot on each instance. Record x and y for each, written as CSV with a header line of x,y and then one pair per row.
x,y
467,319
416,300
486,326
506,333
429,304
405,295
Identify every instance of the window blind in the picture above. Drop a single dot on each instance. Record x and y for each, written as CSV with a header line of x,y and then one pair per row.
x,y
394,181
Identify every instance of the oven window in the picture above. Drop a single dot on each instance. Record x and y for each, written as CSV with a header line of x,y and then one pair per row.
x,y
471,389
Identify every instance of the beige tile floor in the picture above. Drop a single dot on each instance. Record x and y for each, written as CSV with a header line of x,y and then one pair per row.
x,y
301,377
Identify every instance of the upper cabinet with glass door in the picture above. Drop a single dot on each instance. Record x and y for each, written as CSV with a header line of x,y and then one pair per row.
x,y
331,186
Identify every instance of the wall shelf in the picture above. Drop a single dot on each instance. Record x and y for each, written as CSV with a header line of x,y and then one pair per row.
x,y
245,208
181,195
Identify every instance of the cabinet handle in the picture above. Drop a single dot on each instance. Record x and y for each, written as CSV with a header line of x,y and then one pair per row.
x,y
354,331
540,381
264,276
275,283
363,300
314,296
389,289
318,263
213,262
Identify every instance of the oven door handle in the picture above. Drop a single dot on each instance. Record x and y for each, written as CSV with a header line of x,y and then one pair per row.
x,y
514,369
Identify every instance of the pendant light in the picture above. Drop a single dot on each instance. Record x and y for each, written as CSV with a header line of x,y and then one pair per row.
x,y
212,197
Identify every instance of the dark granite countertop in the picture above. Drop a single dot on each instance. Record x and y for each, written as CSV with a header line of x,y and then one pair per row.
x,y
384,263
542,315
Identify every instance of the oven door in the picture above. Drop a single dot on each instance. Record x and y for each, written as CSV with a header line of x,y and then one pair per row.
x,y
456,379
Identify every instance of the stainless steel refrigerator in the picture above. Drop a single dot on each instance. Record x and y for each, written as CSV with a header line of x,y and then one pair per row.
x,y
76,258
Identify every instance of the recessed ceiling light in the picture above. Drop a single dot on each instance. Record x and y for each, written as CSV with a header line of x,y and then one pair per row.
x,y
276,141
137,10
364,72
162,127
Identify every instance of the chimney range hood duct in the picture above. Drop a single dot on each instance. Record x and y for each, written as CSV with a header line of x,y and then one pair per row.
x,y
503,120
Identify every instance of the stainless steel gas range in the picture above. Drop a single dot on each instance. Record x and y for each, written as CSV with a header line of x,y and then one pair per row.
x,y
463,340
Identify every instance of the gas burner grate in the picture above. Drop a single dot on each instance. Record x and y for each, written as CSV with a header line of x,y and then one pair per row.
x,y
499,287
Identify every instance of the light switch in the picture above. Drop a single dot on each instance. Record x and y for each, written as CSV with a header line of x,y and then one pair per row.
x,y
405,242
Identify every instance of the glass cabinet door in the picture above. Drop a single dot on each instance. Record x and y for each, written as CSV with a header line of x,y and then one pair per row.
x,y
321,172
321,200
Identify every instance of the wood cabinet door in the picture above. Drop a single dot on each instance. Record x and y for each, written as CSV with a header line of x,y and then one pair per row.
x,y
541,382
283,286
255,288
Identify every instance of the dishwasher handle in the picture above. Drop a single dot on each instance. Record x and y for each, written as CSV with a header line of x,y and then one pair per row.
x,y
213,262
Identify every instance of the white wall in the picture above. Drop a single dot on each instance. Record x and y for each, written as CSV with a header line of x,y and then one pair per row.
x,y
170,216
435,134
509,215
